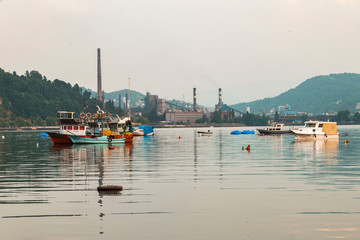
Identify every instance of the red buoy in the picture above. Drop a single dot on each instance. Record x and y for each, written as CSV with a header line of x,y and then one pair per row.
x,y
248,148
179,137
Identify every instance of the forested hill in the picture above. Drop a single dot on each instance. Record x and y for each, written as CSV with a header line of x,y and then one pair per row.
x,y
330,93
31,99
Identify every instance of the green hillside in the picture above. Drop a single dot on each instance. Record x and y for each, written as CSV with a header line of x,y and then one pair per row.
x,y
317,95
32,99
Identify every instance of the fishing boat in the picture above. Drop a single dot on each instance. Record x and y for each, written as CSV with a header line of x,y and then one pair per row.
x,y
276,128
314,130
90,126
68,125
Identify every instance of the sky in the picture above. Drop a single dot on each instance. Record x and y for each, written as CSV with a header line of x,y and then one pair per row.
x,y
252,49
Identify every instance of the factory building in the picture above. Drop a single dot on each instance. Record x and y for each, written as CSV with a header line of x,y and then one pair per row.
x,y
184,117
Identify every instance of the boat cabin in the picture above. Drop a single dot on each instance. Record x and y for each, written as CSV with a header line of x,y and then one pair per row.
x,y
69,125
316,126
276,127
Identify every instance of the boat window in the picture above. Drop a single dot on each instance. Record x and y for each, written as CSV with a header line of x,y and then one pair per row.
x,y
82,128
69,127
310,125
64,127
321,125
76,128
278,129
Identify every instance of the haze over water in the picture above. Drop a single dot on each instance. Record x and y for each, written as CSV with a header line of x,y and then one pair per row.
x,y
189,188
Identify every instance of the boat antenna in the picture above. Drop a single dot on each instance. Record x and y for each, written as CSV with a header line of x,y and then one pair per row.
x,y
129,99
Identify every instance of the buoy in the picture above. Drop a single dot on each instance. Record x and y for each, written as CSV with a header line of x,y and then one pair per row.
x,y
263,134
248,148
37,145
346,134
110,188
346,141
179,137
111,147
3,137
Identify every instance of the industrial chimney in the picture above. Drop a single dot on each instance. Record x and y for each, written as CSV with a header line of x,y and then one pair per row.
x,y
220,96
99,88
194,95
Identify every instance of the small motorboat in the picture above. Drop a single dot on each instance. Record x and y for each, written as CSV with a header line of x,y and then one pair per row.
x,y
95,139
204,133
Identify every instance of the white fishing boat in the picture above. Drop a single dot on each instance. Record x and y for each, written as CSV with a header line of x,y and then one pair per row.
x,y
313,130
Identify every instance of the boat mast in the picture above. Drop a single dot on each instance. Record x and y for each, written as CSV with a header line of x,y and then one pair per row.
x,y
129,99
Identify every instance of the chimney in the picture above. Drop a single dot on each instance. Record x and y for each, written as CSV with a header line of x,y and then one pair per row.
x,y
220,96
194,95
99,88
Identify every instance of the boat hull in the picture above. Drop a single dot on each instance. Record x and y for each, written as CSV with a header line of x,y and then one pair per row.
x,y
205,133
59,138
96,140
314,136
267,132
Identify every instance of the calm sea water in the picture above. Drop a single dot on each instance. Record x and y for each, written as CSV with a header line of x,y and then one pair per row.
x,y
189,188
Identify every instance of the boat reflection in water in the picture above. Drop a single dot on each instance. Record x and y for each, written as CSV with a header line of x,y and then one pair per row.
x,y
325,151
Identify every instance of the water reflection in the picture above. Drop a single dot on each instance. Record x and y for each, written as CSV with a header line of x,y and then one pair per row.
x,y
317,150
189,188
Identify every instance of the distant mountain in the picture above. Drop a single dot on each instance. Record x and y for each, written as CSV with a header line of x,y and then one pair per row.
x,y
317,95
134,95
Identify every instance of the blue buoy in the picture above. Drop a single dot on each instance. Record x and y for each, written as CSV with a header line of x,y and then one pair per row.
x,y
44,135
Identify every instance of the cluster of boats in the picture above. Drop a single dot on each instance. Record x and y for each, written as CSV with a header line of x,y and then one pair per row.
x,y
311,130
97,128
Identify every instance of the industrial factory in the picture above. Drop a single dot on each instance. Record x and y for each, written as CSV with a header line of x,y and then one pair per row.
x,y
174,111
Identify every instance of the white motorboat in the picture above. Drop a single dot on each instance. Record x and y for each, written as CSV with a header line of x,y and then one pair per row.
x,y
317,130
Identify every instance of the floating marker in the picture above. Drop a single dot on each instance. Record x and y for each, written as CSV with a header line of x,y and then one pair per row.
x,y
110,188
179,137
346,134
3,137
111,147
248,148
346,141
37,145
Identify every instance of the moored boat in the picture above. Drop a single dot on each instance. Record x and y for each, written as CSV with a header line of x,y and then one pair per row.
x,y
143,130
68,126
204,133
91,125
314,130
95,139
276,128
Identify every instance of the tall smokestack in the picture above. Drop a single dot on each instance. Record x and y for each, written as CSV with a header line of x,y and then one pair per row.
x,y
220,96
194,95
99,88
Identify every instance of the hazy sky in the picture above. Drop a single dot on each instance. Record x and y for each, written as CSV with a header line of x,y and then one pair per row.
x,y
250,48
